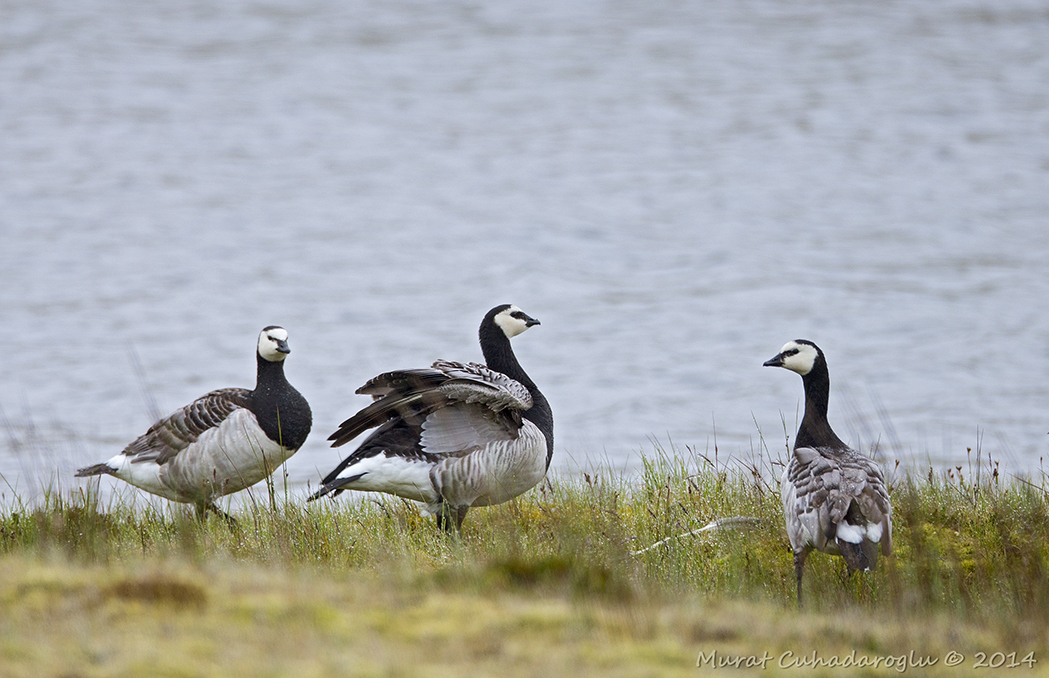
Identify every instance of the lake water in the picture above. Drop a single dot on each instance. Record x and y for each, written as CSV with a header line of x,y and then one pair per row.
x,y
673,189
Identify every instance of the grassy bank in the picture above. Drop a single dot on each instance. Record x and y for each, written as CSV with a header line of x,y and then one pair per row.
x,y
553,582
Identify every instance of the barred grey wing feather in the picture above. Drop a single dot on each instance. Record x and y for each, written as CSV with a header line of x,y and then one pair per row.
x,y
180,429
403,381
831,482
872,499
813,476
495,397
416,395
473,383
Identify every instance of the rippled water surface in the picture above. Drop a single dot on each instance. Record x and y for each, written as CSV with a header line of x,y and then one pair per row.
x,y
673,189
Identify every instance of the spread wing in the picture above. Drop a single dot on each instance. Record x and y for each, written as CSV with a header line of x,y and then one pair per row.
x,y
413,395
449,409
180,429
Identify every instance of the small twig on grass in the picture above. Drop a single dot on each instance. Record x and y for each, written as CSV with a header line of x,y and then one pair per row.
x,y
737,522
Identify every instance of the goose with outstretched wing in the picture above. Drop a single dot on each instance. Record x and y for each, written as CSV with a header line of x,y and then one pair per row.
x,y
454,435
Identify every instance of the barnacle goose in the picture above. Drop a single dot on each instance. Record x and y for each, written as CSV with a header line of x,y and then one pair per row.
x,y
834,498
222,442
454,435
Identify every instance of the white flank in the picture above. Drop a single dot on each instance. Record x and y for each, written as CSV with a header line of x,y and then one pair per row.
x,y
487,475
227,458
144,475
406,478
495,473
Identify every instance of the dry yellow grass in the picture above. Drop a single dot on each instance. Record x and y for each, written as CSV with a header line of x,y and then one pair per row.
x,y
181,619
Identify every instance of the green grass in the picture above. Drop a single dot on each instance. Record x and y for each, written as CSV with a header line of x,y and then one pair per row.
x,y
550,583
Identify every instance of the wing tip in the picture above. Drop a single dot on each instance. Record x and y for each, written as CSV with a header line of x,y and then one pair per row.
x,y
334,486
343,435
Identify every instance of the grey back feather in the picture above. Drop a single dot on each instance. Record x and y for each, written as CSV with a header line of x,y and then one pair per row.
x,y
829,482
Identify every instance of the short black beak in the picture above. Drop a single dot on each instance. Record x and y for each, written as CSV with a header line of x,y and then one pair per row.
x,y
774,362
531,321
282,347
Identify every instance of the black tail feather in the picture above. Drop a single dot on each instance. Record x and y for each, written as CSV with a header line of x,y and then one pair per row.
x,y
862,556
96,470
334,487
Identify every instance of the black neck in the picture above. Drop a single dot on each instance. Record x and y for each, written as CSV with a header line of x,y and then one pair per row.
x,y
269,373
499,356
282,412
815,430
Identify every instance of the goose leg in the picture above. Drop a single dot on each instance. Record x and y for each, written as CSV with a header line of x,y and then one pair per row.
x,y
799,569
450,519
230,520
444,518
460,516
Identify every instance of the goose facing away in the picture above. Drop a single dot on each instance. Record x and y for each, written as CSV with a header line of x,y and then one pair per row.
x,y
834,498
222,442
454,435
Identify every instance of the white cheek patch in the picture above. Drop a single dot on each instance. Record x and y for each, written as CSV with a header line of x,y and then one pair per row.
x,y
802,361
268,344
510,325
